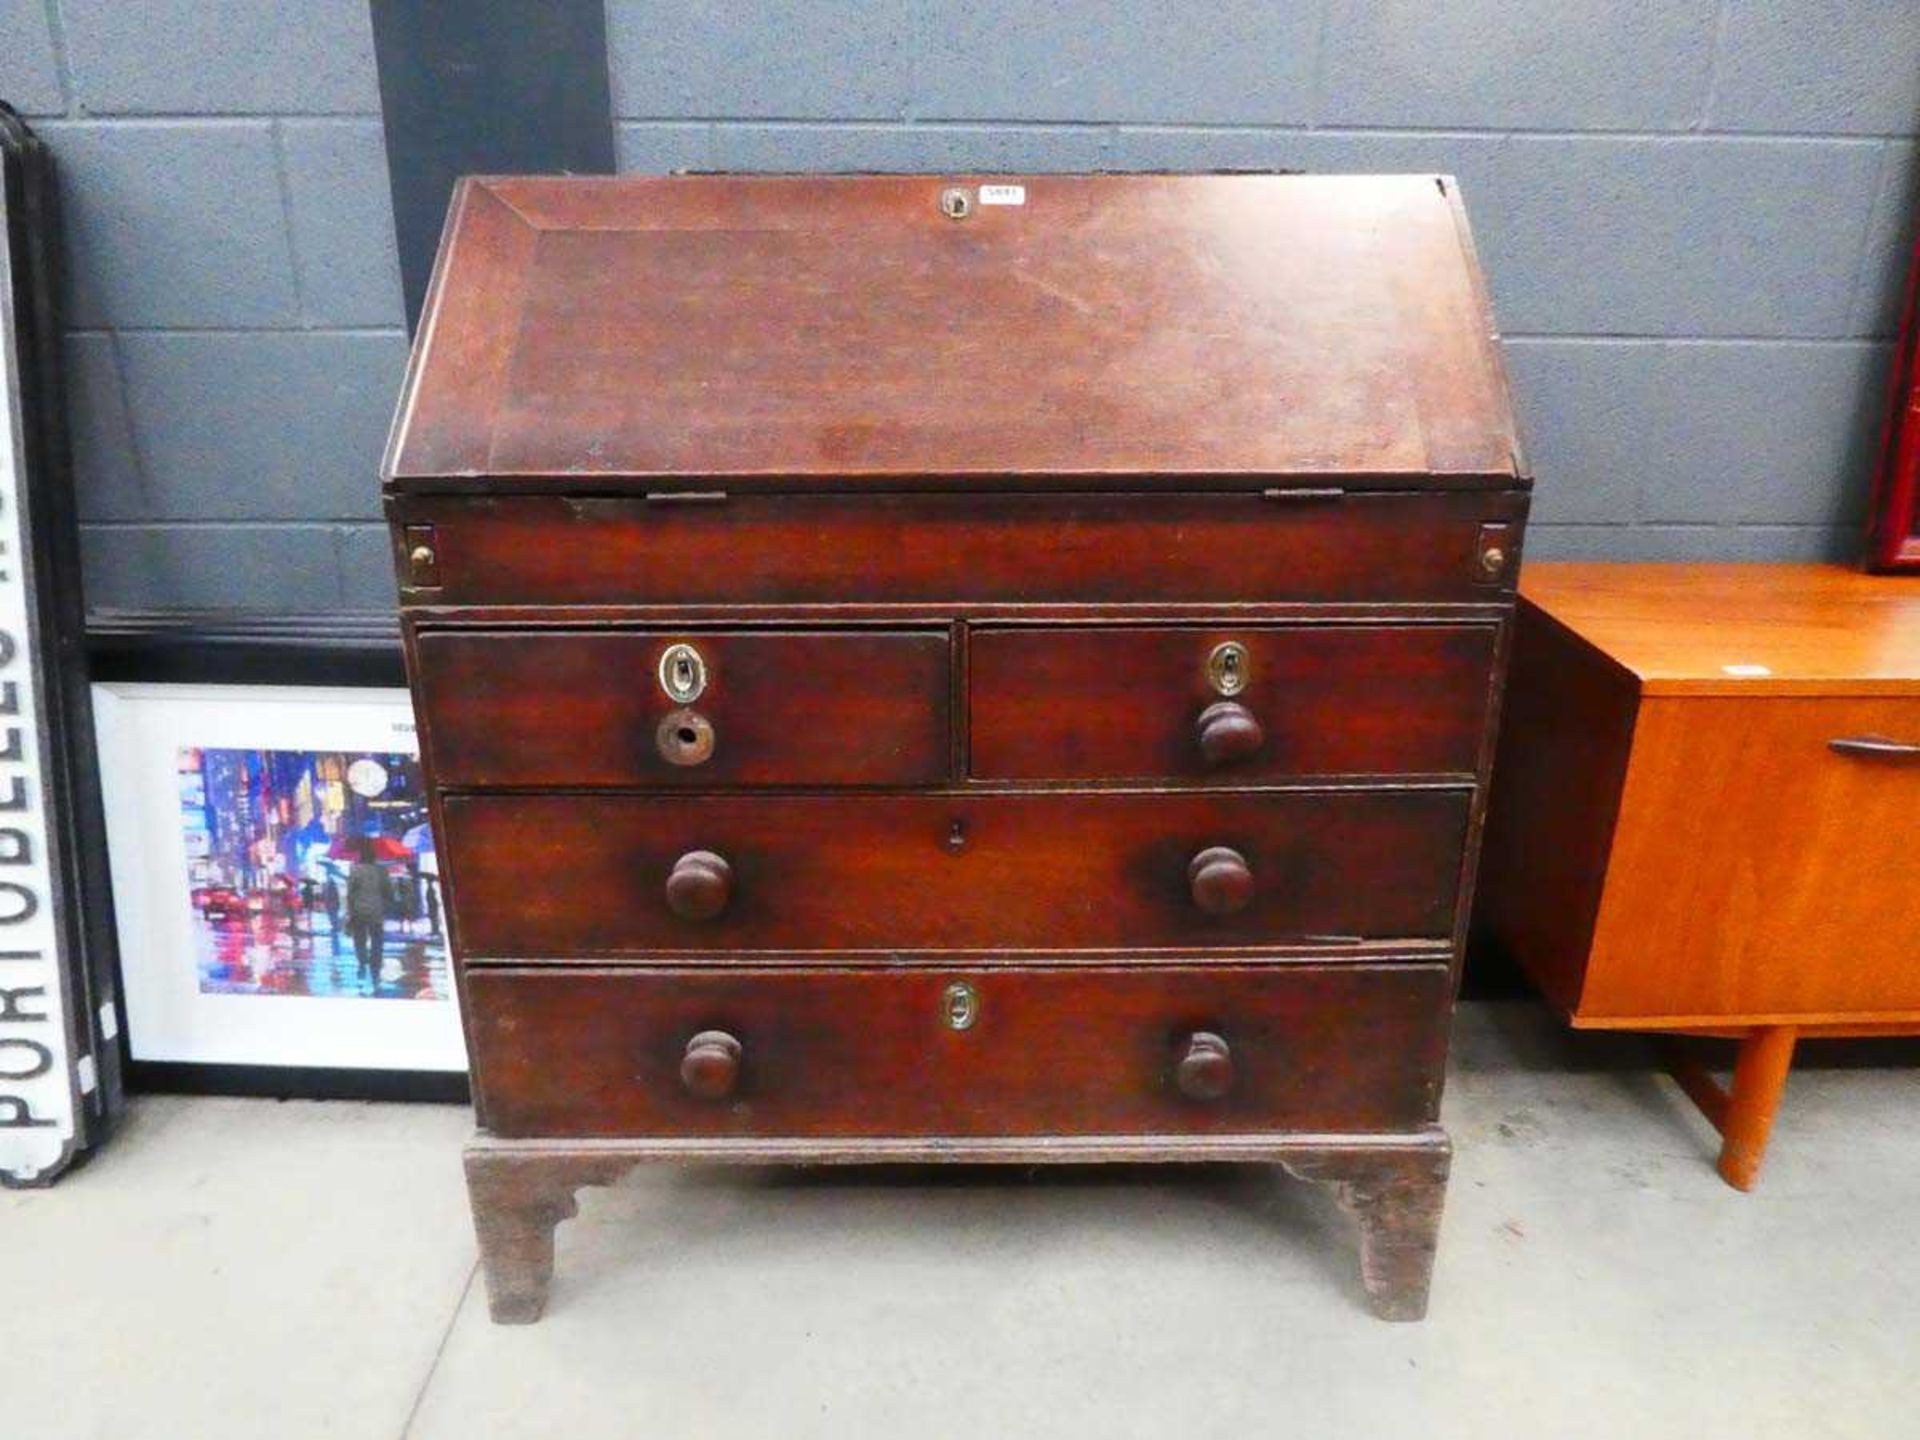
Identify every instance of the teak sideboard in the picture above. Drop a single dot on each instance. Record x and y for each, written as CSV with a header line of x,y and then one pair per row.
x,y
1706,813
956,669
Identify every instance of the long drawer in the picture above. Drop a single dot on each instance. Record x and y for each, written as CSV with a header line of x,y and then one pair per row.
x,y
933,549
1146,1050
1229,703
775,707
560,876
1800,816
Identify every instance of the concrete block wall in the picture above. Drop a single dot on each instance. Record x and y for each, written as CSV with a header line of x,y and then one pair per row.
x,y
235,327
1694,214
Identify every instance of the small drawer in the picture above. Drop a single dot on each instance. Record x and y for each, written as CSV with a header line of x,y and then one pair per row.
x,y
688,709
1227,704
1144,1050
570,876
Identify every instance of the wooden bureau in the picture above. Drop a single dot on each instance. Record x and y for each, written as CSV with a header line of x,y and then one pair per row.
x,y
1705,817
956,668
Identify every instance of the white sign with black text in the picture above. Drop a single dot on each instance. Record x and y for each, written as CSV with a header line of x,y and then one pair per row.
x,y
41,1083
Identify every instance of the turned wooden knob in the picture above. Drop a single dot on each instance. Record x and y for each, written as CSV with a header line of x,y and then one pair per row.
x,y
1227,733
699,885
1205,1069
1221,880
711,1066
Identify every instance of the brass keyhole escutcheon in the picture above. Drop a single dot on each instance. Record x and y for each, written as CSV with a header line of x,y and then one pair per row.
x,y
959,1005
684,737
955,203
683,674
1228,667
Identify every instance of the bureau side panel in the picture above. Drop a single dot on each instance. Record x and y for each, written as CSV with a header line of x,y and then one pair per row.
x,y
1560,764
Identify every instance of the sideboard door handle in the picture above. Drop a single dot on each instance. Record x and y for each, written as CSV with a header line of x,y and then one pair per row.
x,y
1874,747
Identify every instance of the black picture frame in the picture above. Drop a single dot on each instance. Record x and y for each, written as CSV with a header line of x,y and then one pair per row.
x,y
46,692
234,647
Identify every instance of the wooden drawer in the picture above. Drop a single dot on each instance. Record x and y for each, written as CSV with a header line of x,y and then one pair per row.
x,y
544,877
845,707
1135,702
1758,872
952,549
875,1052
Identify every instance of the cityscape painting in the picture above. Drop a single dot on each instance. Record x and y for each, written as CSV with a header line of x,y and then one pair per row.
x,y
311,873
277,892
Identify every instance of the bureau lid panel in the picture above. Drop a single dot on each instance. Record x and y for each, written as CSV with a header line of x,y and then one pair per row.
x,y
898,332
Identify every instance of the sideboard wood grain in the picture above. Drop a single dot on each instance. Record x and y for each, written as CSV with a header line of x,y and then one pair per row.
x,y
1704,814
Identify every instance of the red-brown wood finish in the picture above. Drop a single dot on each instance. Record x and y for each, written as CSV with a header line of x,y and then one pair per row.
x,y
550,877
959,854
1080,704
600,331
710,1065
871,1052
1115,549
519,708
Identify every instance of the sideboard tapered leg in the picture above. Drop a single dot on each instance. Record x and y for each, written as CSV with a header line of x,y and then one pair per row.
x,y
1759,1080
1743,1112
1396,1196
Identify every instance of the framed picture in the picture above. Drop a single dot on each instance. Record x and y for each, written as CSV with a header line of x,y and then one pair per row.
x,y
60,1070
1893,540
277,890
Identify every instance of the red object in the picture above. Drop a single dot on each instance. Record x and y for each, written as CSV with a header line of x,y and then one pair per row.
x,y
385,847
219,902
1893,537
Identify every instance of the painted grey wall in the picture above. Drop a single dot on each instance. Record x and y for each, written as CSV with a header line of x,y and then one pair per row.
x,y
1693,214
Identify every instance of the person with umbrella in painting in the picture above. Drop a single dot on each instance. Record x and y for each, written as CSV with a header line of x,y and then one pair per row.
x,y
368,900
367,911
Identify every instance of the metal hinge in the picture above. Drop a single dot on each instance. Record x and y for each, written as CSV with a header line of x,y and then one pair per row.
x,y
686,497
1323,493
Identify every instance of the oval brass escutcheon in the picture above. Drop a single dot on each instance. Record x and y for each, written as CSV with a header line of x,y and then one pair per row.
x,y
955,203
1228,667
959,1005
683,674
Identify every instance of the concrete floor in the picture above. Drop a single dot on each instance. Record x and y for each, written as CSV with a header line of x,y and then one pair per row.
x,y
290,1270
